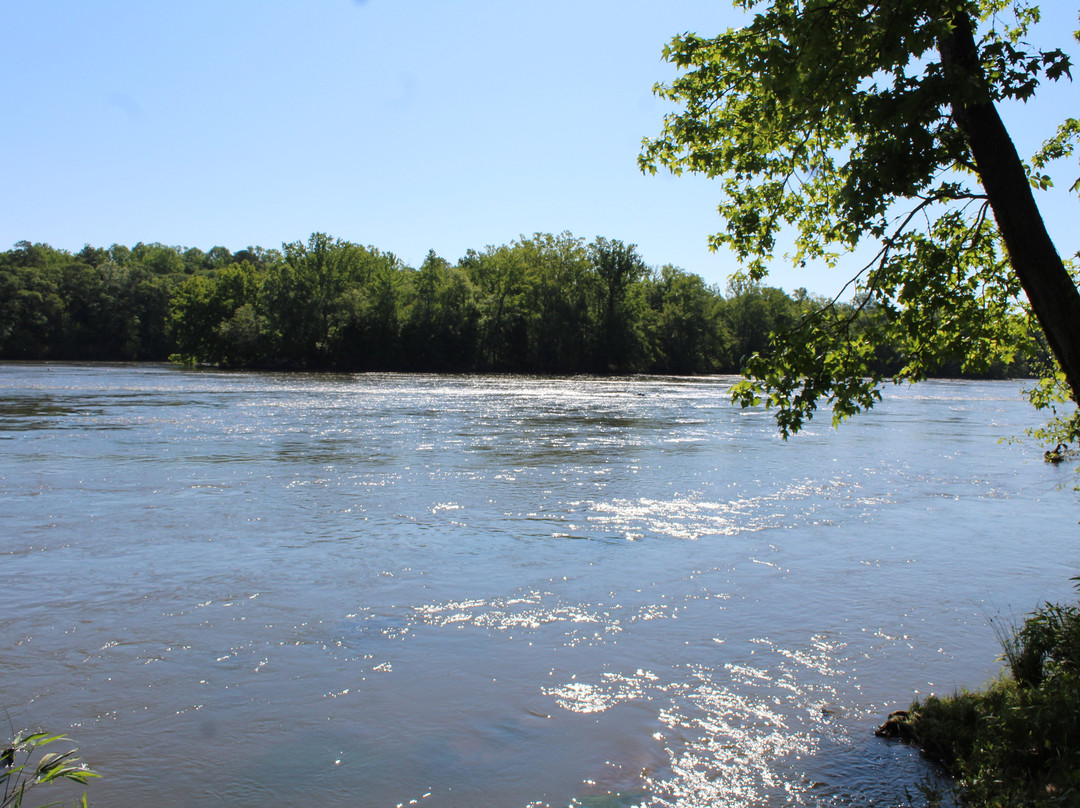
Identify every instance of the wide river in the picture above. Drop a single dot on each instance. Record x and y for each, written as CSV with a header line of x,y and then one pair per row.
x,y
252,589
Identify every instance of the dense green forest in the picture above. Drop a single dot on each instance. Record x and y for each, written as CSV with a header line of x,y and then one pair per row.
x,y
543,304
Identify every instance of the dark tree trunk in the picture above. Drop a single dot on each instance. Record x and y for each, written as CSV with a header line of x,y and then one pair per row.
x,y
1053,295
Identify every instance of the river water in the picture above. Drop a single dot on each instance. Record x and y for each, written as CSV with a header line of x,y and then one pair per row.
x,y
388,590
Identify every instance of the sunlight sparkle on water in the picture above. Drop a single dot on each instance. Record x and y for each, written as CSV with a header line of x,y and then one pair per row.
x,y
388,590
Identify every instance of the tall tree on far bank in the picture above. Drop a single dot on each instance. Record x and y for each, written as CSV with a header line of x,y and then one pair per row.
x,y
619,268
849,121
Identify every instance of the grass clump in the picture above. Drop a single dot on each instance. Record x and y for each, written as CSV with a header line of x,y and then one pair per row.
x,y
1017,742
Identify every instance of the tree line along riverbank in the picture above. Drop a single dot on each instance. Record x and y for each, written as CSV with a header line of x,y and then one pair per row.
x,y
541,304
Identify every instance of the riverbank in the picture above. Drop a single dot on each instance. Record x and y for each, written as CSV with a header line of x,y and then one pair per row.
x,y
1016,742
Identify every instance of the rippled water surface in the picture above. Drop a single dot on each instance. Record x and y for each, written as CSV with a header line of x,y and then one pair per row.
x,y
384,590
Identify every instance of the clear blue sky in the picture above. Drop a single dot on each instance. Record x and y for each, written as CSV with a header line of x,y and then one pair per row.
x,y
405,124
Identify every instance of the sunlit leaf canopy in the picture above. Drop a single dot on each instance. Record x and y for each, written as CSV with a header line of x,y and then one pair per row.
x,y
829,124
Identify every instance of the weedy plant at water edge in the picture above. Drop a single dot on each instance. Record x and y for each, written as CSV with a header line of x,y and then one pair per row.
x,y
1045,646
24,767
